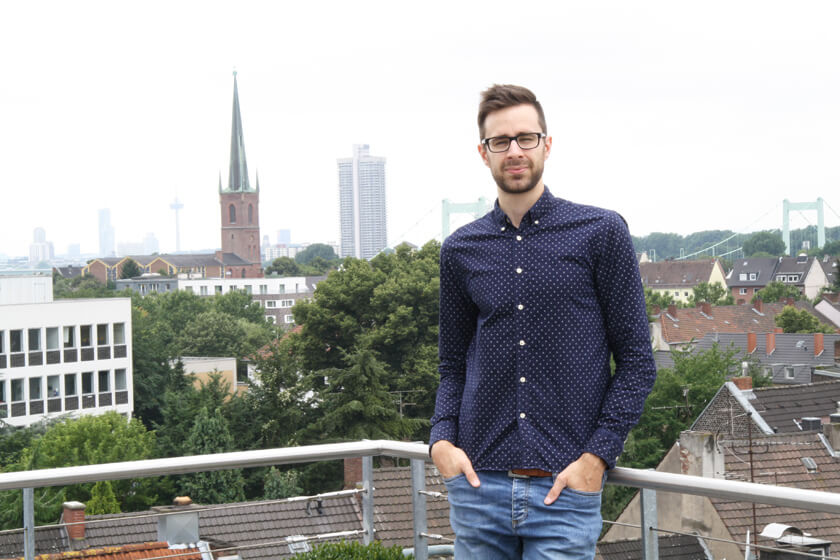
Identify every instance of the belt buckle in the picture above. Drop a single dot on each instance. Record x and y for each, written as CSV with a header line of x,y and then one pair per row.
x,y
512,474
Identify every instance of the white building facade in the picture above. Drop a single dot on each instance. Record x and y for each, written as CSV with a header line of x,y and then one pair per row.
x,y
362,208
66,357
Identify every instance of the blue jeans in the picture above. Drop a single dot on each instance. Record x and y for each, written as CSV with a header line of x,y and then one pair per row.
x,y
506,518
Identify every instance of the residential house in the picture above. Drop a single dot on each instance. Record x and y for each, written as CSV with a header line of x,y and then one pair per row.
x,y
829,308
785,358
63,357
201,369
671,547
679,326
802,271
748,276
678,278
795,434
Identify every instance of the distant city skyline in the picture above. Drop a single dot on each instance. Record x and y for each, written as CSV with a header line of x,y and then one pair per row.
x,y
682,119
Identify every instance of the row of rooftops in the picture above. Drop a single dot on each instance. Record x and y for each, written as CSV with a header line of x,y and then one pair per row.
x,y
755,272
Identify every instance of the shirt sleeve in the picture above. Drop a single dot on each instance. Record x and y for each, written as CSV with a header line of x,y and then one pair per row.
x,y
622,301
458,316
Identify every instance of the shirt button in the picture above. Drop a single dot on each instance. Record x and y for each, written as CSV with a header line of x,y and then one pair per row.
x,y
521,343
537,222
519,271
522,415
503,229
520,307
519,238
522,380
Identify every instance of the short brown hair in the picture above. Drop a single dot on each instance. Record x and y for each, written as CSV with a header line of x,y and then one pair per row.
x,y
502,96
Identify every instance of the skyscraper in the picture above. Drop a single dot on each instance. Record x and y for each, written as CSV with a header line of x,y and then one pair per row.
x,y
361,192
106,234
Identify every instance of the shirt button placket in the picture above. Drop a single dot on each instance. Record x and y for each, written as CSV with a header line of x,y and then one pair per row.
x,y
519,321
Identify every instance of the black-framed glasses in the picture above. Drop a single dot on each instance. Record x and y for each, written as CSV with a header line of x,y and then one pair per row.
x,y
526,141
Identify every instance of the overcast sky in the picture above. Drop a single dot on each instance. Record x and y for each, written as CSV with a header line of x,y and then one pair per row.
x,y
681,116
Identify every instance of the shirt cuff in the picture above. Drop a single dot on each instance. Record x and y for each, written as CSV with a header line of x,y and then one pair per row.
x,y
444,429
606,445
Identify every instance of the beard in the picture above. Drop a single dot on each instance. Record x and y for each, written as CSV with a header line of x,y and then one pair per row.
x,y
522,183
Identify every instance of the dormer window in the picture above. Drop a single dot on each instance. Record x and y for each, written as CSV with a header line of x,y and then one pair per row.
x,y
753,276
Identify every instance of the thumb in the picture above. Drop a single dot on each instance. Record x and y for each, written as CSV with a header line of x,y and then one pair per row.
x,y
556,488
472,477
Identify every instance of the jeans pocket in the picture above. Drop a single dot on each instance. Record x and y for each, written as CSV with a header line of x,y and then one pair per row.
x,y
449,479
596,494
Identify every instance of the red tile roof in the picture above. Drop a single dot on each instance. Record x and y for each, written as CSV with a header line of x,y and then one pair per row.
x,y
126,552
670,274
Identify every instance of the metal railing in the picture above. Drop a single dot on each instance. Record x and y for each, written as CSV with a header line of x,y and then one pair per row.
x,y
417,453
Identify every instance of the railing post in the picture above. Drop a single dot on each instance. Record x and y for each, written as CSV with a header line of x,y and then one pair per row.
x,y
650,538
29,523
418,501
367,498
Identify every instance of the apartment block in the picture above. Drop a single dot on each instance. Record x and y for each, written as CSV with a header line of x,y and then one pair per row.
x,y
65,357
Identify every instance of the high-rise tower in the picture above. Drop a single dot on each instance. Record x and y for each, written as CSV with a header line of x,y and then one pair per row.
x,y
240,206
361,191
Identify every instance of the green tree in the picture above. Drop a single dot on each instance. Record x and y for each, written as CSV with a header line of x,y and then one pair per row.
x,y
102,499
357,405
793,320
712,293
316,250
283,266
352,551
656,299
130,269
281,484
210,434
765,242
777,291
240,305
88,440
82,287
213,333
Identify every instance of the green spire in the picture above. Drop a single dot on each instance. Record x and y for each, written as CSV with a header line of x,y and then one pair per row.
x,y
238,179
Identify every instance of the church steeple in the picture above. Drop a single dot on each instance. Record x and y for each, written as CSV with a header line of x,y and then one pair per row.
x,y
238,179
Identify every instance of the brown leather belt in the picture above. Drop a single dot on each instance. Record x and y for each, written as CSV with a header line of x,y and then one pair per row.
x,y
528,473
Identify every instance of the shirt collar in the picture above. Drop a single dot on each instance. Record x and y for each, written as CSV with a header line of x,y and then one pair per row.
x,y
541,207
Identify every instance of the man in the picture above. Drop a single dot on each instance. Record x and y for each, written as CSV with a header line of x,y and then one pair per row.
x,y
535,298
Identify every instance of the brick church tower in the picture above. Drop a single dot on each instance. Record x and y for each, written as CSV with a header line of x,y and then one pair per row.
x,y
240,206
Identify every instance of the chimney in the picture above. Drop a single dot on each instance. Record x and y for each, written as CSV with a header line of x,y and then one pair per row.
x,y
180,524
706,307
672,310
818,344
751,342
655,310
743,382
352,472
74,512
757,305
779,330
771,343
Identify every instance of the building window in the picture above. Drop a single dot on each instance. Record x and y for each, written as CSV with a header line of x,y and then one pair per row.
x,y
70,384
250,213
102,334
270,304
753,275
789,373
742,276
2,342
248,290
35,387
17,390
263,289
270,319
2,392
742,291
87,383
218,289
119,333
16,340
289,318
202,290
53,386
188,289
676,293
286,303
84,335
120,381
104,381
52,338
232,213
34,340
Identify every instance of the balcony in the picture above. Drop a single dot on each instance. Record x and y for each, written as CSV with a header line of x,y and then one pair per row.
x,y
650,482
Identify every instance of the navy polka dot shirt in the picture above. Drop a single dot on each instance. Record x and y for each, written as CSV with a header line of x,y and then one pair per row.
x,y
529,318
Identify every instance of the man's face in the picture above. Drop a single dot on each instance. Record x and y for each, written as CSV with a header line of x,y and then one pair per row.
x,y
516,170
